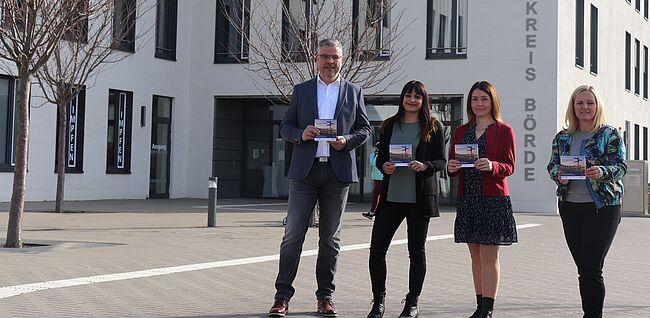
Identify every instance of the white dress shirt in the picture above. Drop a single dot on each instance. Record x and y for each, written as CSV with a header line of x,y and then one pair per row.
x,y
327,96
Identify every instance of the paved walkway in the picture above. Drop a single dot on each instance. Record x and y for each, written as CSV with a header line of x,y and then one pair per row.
x,y
156,258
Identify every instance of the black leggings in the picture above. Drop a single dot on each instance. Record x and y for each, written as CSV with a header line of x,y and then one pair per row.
x,y
589,233
385,225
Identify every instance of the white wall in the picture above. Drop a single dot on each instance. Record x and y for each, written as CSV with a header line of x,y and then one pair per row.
x,y
498,51
141,74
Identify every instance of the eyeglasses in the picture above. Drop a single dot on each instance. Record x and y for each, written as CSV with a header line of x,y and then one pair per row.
x,y
328,57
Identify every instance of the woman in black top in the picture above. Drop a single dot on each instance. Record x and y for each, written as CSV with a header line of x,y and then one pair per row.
x,y
409,192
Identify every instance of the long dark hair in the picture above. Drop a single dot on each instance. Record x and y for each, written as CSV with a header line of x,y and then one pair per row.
x,y
427,122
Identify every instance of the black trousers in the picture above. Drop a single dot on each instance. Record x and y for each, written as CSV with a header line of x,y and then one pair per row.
x,y
383,230
589,232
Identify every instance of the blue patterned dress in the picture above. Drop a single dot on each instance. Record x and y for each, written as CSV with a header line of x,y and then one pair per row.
x,y
482,219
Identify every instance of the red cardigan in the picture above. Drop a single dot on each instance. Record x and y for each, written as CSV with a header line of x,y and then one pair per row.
x,y
500,149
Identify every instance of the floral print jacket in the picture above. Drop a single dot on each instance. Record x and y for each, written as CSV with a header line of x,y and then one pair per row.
x,y
604,149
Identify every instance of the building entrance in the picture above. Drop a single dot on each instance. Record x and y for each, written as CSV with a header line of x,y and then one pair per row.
x,y
251,159
161,119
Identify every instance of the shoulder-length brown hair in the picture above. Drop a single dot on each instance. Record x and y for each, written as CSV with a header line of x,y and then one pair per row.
x,y
571,120
489,89
427,122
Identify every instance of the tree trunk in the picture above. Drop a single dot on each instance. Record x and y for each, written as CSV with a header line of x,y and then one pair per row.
x,y
20,169
61,157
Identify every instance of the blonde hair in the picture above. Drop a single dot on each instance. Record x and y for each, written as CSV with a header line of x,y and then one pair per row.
x,y
571,120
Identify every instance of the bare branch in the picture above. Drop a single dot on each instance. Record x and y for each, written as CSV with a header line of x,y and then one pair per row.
x,y
283,43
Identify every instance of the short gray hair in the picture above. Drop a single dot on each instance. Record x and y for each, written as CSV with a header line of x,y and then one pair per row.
x,y
330,42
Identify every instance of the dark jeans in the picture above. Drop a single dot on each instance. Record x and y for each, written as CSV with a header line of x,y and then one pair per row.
x,y
376,191
589,233
383,230
321,184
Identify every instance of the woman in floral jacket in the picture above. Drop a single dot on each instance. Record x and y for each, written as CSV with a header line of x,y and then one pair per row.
x,y
591,208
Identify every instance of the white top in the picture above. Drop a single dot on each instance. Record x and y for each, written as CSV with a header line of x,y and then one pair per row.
x,y
327,96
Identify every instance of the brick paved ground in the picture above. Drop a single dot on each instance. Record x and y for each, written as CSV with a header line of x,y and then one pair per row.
x,y
538,276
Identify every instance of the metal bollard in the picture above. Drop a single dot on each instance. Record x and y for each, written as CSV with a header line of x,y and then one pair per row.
x,y
212,202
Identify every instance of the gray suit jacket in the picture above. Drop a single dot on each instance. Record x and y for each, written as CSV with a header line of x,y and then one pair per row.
x,y
351,122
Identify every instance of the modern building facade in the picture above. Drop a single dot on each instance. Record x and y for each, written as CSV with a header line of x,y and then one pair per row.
x,y
182,106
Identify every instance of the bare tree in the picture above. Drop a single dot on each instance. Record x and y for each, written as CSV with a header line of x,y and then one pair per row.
x,y
283,51
29,33
87,48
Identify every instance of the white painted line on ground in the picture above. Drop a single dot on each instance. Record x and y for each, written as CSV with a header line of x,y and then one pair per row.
x,y
239,205
10,291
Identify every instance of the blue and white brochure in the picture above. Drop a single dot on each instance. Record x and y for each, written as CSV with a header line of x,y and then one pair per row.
x,y
327,129
573,167
401,154
466,154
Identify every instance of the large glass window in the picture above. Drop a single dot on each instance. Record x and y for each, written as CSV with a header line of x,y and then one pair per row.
x,y
645,72
593,46
637,66
372,19
118,137
7,123
628,61
580,33
446,29
636,142
166,29
74,134
124,25
79,30
232,31
645,143
297,38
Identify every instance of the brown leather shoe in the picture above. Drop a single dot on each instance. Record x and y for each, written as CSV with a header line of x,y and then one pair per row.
x,y
326,308
280,308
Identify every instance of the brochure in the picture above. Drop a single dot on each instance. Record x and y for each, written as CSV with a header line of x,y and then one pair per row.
x,y
573,167
401,154
327,129
466,154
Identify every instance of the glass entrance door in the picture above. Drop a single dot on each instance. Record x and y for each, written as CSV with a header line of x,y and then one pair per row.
x,y
161,119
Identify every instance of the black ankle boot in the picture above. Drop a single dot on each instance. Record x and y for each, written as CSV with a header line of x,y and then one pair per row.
x,y
378,300
410,307
487,304
479,307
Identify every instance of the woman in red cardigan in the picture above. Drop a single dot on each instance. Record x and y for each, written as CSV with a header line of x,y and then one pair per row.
x,y
484,217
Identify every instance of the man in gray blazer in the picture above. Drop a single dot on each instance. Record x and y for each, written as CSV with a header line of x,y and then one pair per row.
x,y
320,171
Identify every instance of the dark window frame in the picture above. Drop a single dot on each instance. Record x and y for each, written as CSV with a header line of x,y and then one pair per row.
x,y
78,32
289,34
593,41
112,167
637,6
458,49
637,142
645,72
124,37
645,143
80,102
167,11
628,61
7,163
221,21
580,33
637,67
155,119
373,12
645,9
